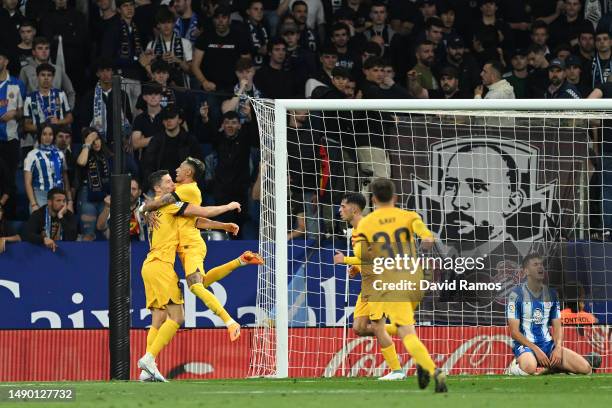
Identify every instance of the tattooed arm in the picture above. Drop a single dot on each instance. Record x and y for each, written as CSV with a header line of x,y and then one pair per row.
x,y
158,203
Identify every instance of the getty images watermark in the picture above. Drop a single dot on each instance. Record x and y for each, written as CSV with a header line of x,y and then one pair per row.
x,y
407,278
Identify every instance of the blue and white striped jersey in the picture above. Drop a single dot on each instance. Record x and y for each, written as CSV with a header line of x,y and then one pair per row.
x,y
535,313
12,92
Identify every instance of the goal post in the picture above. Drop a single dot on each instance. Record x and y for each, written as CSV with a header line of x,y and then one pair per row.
x,y
555,173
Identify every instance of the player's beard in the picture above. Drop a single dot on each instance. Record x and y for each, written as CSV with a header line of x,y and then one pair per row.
x,y
452,229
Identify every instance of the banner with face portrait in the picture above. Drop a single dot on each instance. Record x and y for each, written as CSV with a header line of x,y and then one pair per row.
x,y
493,193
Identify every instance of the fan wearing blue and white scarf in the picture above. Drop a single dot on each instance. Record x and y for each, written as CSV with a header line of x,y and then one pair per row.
x,y
46,107
54,156
190,31
99,121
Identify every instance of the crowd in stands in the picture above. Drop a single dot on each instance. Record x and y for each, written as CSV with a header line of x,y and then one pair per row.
x,y
189,67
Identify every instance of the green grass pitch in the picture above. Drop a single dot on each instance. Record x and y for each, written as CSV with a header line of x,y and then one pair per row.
x,y
464,391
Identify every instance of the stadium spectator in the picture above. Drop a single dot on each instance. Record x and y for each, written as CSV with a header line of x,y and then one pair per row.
x,y
172,49
272,80
46,104
424,53
585,49
27,32
559,88
497,87
309,37
65,21
97,104
355,14
537,80
434,32
486,46
44,169
299,61
144,18
124,44
449,86
315,13
7,234
232,178
243,90
427,10
106,17
304,163
138,226
12,94
216,51
489,17
574,75
188,24
63,141
517,77
52,222
340,37
93,176
562,51
448,15
460,58
602,62
148,123
257,32
539,35
40,55
566,28
328,60
380,29
168,149
5,183
10,8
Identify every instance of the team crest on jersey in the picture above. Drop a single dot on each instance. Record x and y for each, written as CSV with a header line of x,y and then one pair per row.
x,y
11,95
538,316
484,190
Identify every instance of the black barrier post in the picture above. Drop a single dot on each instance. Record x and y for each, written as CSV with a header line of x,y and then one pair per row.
x,y
119,251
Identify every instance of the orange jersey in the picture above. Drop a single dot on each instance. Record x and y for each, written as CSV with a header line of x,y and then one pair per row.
x,y
164,240
189,235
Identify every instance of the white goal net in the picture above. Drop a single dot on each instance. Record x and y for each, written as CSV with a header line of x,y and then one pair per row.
x,y
494,180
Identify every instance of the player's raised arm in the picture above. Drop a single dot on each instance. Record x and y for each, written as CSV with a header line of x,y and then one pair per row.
x,y
205,223
211,211
160,202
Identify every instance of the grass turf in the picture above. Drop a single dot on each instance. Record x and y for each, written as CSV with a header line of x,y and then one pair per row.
x,y
464,391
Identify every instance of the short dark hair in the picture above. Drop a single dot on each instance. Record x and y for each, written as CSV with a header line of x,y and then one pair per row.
x,y
197,165
54,191
26,22
275,41
164,15
45,67
538,24
230,115
433,22
355,198
600,31
40,40
536,49
383,189
104,63
528,258
373,62
244,63
155,178
136,179
338,27
298,3
424,42
497,66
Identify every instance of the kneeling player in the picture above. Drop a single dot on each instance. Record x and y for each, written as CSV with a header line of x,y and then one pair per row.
x,y
532,307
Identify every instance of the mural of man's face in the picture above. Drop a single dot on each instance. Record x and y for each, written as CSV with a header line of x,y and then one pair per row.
x,y
477,195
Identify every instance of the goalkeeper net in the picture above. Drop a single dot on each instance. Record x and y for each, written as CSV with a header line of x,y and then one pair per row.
x,y
493,185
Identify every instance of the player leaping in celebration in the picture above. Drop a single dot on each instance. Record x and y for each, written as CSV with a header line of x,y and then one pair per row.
x,y
162,289
192,248
351,209
390,228
531,308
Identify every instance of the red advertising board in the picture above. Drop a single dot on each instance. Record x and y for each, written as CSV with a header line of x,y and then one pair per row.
x,y
54,355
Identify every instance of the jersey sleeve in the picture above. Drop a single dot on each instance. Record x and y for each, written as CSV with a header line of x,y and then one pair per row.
x,y
27,107
419,228
357,240
352,260
187,194
555,309
513,306
177,208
